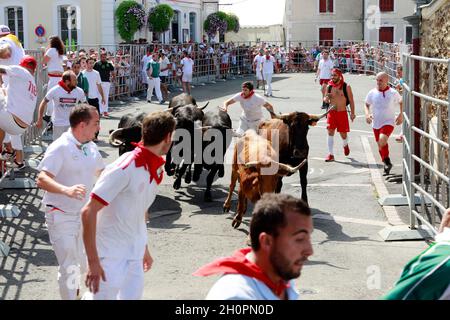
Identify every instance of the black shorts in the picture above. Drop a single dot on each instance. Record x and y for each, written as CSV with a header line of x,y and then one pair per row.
x,y
163,79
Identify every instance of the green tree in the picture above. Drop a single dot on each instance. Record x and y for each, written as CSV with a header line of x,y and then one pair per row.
x,y
159,18
130,17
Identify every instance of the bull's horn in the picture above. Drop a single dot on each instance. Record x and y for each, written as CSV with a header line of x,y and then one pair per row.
x,y
203,108
290,169
252,164
113,140
204,128
168,110
320,117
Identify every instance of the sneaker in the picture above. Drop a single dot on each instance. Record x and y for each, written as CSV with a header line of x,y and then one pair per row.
x,y
106,114
387,166
329,158
346,150
149,101
18,166
5,155
162,102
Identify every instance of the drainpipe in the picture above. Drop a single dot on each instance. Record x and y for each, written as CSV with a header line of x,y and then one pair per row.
x,y
415,20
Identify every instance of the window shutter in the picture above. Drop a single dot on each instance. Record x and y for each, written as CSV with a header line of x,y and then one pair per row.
x,y
323,6
330,6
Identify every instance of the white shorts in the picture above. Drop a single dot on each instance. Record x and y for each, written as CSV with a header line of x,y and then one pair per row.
x,y
8,124
187,77
245,125
16,142
124,280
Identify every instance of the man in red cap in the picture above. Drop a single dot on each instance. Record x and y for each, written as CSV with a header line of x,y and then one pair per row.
x,y
339,94
18,103
280,233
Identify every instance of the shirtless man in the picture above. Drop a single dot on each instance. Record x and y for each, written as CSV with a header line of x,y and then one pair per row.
x,y
338,119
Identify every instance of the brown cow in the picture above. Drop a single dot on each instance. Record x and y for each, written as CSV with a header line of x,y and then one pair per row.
x,y
256,168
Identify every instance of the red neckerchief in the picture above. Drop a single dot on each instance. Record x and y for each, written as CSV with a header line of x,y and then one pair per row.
x,y
239,264
383,91
63,85
150,161
340,84
249,96
267,57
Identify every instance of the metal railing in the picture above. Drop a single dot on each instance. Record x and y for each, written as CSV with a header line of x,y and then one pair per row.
x,y
431,181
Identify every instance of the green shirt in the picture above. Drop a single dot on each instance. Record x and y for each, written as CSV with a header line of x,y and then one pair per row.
x,y
155,68
427,276
83,83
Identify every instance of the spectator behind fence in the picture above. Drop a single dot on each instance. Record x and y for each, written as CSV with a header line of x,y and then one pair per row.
x,y
427,276
280,232
188,70
107,75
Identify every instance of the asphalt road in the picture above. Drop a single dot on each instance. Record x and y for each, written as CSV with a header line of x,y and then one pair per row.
x,y
350,259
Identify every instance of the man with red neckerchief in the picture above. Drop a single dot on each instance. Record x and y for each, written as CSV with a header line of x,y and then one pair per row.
x,y
340,95
384,102
251,104
114,220
280,233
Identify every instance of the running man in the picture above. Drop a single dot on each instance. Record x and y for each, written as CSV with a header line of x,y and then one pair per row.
x,y
251,104
268,64
257,68
340,95
381,105
324,73
68,173
115,219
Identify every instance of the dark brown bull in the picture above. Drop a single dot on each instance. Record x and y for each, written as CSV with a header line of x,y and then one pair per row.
x,y
256,168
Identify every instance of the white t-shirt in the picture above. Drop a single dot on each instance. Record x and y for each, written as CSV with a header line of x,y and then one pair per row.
x,y
63,103
21,93
258,59
17,52
268,65
252,107
225,58
93,78
188,65
383,108
240,287
164,63
145,60
128,193
55,64
71,166
325,67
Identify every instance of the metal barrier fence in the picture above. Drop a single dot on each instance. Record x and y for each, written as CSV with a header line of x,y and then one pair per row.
x,y
431,182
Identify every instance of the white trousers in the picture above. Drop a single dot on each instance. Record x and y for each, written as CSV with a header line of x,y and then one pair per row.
x,y
245,124
259,75
154,83
58,131
52,82
106,86
8,124
65,233
268,79
124,280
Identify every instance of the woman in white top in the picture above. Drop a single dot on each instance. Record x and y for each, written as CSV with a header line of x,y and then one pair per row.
x,y
54,59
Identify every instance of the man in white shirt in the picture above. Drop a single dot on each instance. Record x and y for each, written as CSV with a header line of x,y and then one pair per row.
x,y
251,104
65,96
268,64
188,70
95,87
324,73
114,220
164,74
11,50
280,233
68,173
145,60
18,106
381,105
257,68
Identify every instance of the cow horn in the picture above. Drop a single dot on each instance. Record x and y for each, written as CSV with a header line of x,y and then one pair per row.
x,y
320,117
252,164
204,128
203,108
113,140
290,169
168,110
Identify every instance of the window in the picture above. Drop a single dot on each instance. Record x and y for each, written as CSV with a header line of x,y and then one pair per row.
x,y
326,6
408,35
67,17
326,36
386,5
14,20
192,23
386,34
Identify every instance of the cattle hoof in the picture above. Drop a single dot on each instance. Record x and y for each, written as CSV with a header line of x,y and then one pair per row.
x,y
170,172
236,223
221,173
177,184
188,179
226,209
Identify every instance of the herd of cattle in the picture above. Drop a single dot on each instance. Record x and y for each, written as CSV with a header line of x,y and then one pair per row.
x,y
260,160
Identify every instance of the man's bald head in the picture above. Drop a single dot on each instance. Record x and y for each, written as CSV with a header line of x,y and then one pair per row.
x,y
382,80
